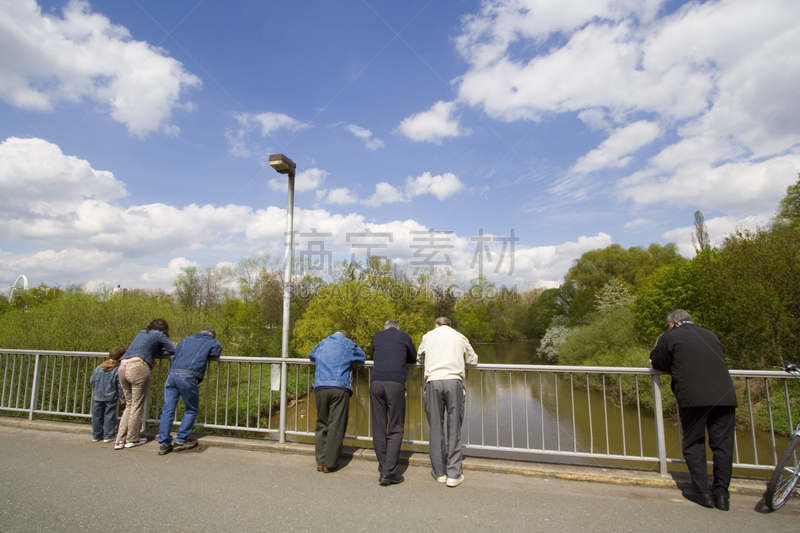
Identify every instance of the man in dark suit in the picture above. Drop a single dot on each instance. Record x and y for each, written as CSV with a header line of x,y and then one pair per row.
x,y
392,350
706,400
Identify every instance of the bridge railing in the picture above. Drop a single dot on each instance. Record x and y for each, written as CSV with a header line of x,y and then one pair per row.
x,y
584,415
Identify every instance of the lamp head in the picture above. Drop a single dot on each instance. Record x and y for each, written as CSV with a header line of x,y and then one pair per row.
x,y
282,164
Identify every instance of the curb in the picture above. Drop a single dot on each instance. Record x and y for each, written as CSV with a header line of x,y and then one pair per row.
x,y
615,476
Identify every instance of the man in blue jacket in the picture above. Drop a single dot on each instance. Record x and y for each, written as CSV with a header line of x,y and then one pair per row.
x,y
392,350
333,386
187,371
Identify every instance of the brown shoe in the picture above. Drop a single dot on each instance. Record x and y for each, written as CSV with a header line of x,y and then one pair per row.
x,y
181,446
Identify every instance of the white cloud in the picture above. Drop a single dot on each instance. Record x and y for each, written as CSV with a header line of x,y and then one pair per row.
x,y
307,180
49,60
548,264
441,186
615,151
718,228
37,179
639,223
385,193
370,142
739,188
341,196
265,124
434,124
719,79
91,240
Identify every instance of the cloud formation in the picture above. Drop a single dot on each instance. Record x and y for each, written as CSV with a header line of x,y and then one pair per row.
x,y
441,186
136,82
433,125
716,79
370,142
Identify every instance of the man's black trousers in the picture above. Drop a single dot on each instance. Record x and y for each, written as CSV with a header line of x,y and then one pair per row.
x,y
721,425
388,410
333,408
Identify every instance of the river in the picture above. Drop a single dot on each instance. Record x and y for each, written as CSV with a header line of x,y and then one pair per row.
x,y
538,411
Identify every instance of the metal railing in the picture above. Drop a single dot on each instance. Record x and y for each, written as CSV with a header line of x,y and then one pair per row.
x,y
596,415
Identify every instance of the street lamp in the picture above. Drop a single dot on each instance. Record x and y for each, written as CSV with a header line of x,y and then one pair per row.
x,y
284,165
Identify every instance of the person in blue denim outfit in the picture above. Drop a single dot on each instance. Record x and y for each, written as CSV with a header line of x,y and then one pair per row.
x,y
187,371
333,386
134,375
106,392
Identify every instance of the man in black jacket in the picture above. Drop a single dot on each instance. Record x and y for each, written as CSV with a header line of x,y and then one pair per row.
x,y
706,399
392,350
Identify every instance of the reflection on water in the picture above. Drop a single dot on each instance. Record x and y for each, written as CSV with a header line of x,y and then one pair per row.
x,y
539,411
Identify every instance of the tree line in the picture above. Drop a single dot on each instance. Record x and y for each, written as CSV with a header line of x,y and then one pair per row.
x,y
608,311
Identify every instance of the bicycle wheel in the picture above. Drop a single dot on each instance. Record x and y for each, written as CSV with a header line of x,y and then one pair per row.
x,y
785,477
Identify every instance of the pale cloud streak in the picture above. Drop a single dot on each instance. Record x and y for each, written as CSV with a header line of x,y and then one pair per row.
x,y
365,135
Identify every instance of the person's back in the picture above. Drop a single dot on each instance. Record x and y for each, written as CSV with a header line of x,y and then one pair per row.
x,y
392,350
445,353
695,358
334,357
192,354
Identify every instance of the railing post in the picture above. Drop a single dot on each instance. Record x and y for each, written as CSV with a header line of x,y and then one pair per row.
x,y
35,387
658,410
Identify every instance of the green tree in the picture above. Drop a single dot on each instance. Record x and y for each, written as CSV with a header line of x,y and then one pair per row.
x,y
188,288
700,239
596,268
789,207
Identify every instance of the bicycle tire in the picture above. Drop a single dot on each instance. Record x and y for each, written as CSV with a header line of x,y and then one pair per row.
x,y
785,477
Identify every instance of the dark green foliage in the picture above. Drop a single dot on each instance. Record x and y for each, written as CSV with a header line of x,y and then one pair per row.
x,y
594,269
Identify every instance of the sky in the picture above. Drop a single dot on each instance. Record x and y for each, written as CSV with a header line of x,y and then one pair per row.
x,y
498,138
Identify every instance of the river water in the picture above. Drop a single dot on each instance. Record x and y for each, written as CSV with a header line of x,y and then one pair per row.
x,y
539,412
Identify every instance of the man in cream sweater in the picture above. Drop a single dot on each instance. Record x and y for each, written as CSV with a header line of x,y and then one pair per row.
x,y
445,353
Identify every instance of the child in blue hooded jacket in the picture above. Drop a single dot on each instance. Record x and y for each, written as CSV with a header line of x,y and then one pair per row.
x,y
106,391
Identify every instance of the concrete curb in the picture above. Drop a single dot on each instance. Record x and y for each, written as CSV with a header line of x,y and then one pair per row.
x,y
616,476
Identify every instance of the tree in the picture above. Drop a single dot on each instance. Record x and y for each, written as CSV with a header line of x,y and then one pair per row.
x,y
789,207
596,268
188,288
700,239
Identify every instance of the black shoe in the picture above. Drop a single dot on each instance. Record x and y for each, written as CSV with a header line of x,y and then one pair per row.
x,y
698,498
391,479
320,468
164,448
722,502
326,470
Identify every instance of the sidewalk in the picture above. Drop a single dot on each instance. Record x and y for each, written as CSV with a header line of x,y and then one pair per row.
x,y
617,476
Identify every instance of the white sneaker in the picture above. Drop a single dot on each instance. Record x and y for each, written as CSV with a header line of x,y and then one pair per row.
x,y
119,445
455,482
139,443
440,479
107,440
95,440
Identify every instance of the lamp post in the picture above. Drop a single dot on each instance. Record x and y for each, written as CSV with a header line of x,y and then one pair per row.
x,y
284,165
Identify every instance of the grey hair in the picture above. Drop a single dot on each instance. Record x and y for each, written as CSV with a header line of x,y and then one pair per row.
x,y
391,324
443,321
678,315
210,332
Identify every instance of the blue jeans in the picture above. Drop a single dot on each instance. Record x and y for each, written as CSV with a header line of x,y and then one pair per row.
x,y
104,419
185,387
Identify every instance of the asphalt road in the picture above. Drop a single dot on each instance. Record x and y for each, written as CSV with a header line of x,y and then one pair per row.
x,y
64,482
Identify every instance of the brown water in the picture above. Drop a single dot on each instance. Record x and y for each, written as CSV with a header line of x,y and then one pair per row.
x,y
540,411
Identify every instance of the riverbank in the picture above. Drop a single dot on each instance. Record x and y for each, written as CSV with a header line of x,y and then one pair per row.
x,y
617,476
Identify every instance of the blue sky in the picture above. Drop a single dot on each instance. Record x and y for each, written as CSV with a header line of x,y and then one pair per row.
x,y
134,135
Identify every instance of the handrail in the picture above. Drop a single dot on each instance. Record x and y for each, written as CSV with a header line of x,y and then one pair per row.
x,y
55,382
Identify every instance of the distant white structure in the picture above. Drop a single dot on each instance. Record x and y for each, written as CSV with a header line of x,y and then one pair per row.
x,y
17,286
